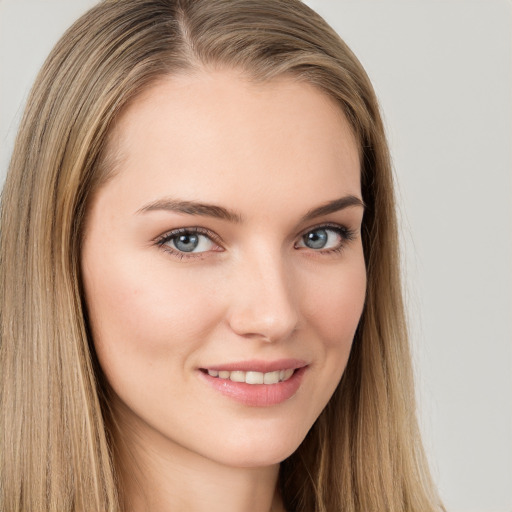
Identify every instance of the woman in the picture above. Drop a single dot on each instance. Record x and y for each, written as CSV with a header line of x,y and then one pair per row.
x,y
200,204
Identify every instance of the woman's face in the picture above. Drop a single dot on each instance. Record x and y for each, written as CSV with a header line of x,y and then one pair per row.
x,y
223,267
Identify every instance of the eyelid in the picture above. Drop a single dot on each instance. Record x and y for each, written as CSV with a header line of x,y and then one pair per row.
x,y
344,232
189,229
328,225
162,239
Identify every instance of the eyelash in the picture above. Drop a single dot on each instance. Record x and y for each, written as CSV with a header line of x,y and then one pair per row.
x,y
346,235
162,240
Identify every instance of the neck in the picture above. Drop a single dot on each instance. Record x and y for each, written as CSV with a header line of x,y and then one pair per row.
x,y
161,476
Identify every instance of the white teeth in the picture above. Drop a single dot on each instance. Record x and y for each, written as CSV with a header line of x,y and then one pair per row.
x,y
253,377
287,374
237,376
271,378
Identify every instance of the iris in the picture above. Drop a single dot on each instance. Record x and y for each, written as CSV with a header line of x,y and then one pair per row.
x,y
186,242
316,239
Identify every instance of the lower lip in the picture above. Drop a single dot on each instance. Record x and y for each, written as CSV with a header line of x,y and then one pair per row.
x,y
257,395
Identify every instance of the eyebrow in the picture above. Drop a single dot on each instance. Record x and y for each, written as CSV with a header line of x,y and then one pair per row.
x,y
333,206
192,208
219,212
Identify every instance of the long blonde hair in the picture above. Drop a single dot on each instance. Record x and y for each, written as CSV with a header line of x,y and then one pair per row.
x,y
364,452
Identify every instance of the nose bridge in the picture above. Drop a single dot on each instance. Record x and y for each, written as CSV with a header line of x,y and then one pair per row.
x,y
263,304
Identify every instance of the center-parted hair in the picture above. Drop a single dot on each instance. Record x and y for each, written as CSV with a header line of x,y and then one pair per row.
x,y
57,449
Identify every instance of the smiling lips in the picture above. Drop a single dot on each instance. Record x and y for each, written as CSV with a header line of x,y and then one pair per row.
x,y
253,377
257,384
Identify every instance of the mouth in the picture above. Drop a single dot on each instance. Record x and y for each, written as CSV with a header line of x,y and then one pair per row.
x,y
257,384
252,377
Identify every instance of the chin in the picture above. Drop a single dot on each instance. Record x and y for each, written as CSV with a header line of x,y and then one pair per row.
x,y
266,448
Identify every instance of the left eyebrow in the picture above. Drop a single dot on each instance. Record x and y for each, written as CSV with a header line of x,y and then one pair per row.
x,y
333,206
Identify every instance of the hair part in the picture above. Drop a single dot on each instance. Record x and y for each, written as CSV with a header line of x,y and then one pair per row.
x,y
57,433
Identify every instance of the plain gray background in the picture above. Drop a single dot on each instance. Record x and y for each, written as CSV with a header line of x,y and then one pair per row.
x,y
443,73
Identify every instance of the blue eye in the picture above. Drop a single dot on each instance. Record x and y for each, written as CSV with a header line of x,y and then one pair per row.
x,y
317,239
324,238
188,241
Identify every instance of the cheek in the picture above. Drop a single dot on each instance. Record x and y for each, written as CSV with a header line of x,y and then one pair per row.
x,y
335,305
332,306
141,315
333,311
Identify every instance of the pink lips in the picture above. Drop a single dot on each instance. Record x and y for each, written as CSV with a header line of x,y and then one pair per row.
x,y
258,395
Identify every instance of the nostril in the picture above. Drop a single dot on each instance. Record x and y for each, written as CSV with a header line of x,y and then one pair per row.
x,y
262,307
254,324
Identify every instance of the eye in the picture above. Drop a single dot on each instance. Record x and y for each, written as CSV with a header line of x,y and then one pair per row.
x,y
324,238
185,241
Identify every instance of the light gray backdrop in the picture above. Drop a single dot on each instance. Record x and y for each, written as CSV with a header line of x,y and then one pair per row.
x,y
443,72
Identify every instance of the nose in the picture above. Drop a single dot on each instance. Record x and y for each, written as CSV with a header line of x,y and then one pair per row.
x,y
263,305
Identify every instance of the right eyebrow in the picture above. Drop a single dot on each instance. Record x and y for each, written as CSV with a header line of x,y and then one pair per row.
x,y
334,206
192,208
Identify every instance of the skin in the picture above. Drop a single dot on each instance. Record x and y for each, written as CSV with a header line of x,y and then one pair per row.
x,y
271,153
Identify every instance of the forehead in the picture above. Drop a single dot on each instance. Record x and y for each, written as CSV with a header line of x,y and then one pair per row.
x,y
217,136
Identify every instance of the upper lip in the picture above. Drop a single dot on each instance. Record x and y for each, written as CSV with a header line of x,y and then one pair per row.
x,y
257,365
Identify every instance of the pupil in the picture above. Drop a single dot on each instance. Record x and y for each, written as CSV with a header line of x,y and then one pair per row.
x,y
187,242
316,239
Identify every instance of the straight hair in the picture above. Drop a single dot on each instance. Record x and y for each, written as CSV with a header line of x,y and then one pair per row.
x,y
58,453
